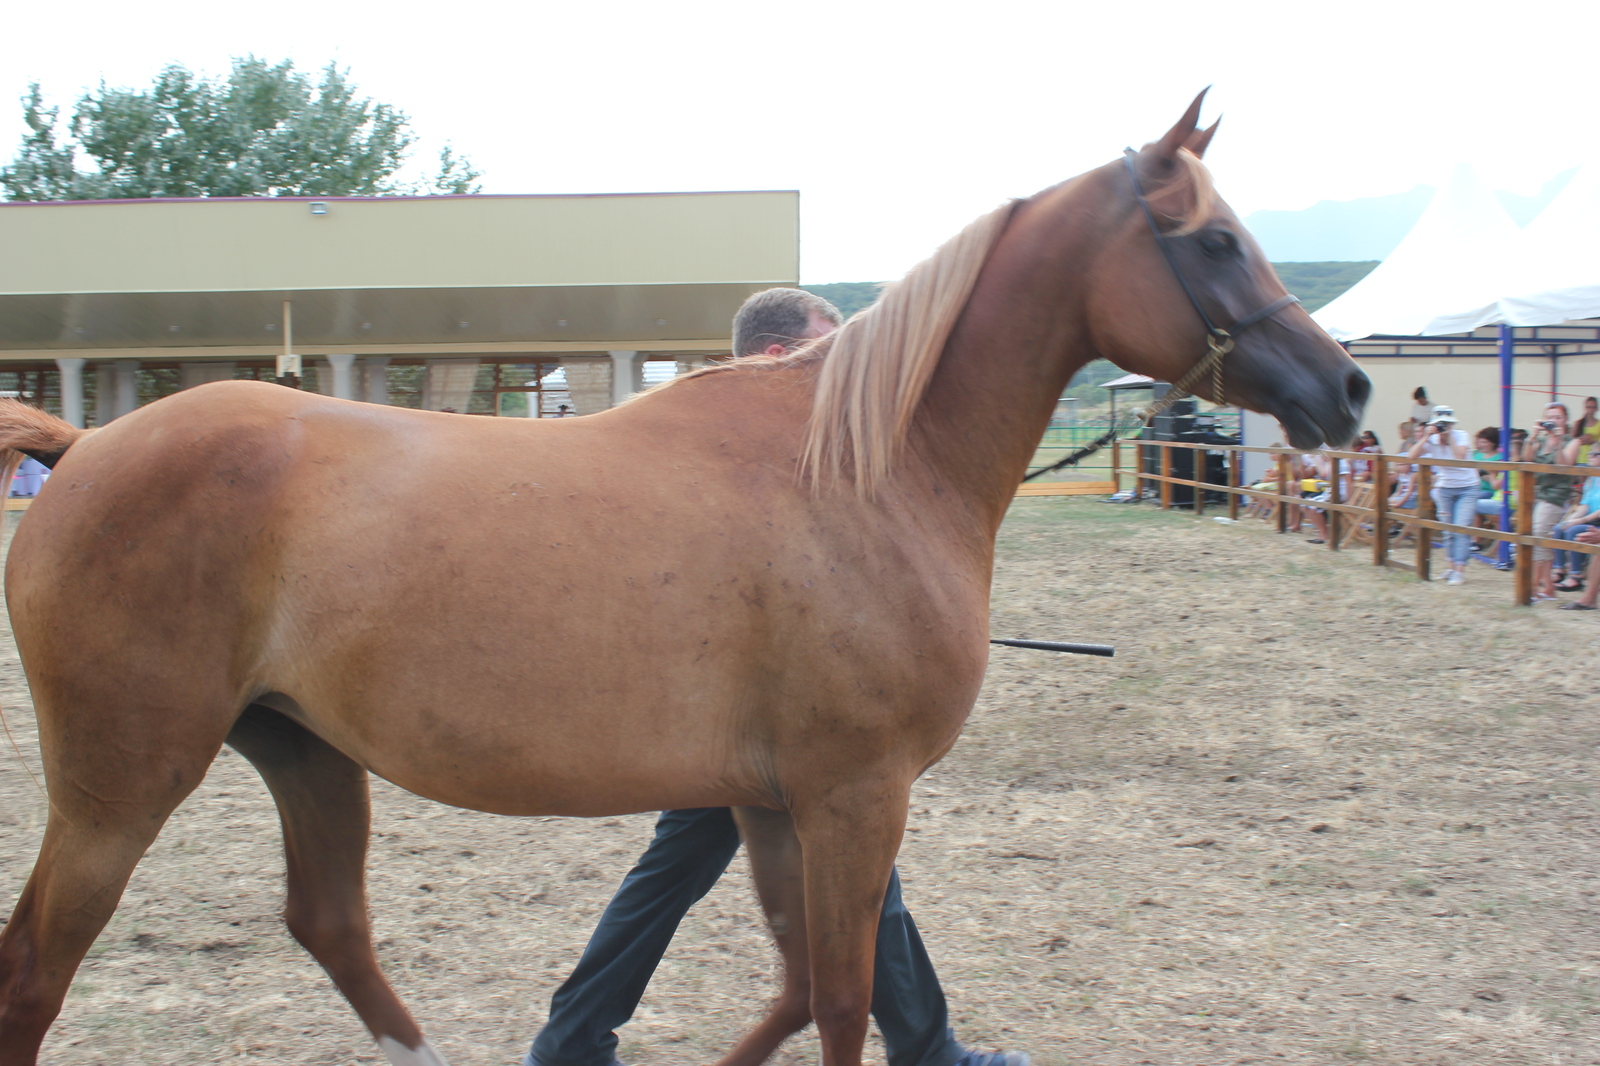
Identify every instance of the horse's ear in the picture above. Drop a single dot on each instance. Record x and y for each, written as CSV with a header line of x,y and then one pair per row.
x,y
1198,142
1178,136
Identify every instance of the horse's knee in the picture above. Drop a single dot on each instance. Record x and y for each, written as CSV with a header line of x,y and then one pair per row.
x,y
330,934
840,1013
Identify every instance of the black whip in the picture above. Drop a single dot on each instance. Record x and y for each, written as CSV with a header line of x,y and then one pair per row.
x,y
1055,645
1077,456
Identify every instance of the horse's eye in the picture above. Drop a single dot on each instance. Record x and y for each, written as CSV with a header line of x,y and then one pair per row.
x,y
1219,244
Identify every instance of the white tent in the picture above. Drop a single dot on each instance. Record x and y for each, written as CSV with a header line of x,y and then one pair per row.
x,y
1553,275
1451,260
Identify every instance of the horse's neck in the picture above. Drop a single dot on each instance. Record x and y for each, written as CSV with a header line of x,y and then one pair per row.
x,y
1018,342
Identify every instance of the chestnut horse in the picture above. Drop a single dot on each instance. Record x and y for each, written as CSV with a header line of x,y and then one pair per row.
x,y
765,585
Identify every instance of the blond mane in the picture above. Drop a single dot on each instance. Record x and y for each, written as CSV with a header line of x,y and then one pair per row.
x,y
1204,189
875,368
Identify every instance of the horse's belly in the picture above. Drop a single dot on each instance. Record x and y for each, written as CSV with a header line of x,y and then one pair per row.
x,y
597,663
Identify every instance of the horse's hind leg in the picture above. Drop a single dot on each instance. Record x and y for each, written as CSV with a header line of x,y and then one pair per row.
x,y
111,790
778,872
322,800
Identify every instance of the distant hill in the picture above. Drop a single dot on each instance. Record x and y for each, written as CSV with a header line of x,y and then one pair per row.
x,y
1369,228
1343,230
1314,283
1319,283
848,296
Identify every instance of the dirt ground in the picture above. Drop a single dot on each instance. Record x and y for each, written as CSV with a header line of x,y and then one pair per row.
x,y
1312,812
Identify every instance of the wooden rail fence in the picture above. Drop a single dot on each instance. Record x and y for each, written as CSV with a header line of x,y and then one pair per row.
x,y
1376,509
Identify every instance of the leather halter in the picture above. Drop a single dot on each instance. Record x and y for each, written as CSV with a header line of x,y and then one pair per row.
x,y
1219,341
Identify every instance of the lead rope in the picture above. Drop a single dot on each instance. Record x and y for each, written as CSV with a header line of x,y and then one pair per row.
x,y
1212,362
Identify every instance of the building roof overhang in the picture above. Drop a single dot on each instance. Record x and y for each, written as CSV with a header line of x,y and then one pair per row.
x,y
656,272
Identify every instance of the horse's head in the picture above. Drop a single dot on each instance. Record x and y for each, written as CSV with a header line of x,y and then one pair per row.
x,y
1140,318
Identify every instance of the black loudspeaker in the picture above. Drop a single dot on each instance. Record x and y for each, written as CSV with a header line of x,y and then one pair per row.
x,y
1172,427
1215,467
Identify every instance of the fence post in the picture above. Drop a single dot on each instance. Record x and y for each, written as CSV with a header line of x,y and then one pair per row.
x,y
1424,510
1166,472
1380,511
1198,471
1283,492
1524,582
1116,465
1335,518
1234,459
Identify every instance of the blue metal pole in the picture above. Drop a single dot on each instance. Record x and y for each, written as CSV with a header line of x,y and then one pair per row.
x,y
1508,357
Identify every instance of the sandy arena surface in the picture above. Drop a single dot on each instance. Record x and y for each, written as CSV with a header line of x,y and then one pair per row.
x,y
1312,812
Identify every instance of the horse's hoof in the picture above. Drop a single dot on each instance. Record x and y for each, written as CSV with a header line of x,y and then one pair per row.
x,y
400,1055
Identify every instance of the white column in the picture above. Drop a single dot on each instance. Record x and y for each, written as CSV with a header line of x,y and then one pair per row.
x,y
627,375
344,386
377,378
71,390
127,387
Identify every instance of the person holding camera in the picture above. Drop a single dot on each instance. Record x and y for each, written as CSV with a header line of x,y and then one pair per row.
x,y
1551,444
1455,488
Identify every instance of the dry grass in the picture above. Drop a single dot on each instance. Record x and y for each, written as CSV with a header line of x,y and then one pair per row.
x,y
1311,813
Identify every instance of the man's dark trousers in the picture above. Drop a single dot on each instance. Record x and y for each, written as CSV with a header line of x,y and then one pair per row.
x,y
690,851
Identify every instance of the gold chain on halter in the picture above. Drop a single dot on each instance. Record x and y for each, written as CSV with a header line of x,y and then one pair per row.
x,y
1218,345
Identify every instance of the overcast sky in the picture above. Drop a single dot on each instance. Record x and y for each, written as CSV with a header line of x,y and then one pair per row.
x,y
898,122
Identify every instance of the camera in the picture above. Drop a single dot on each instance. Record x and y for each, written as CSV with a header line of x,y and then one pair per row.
x,y
1547,425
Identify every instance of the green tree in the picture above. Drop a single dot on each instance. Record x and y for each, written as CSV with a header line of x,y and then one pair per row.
x,y
264,130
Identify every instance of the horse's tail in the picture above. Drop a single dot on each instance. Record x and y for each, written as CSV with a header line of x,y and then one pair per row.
x,y
28,431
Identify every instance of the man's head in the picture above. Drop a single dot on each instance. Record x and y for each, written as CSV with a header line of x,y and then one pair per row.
x,y
774,321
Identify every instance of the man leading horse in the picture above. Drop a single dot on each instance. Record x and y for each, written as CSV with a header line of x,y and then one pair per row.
x,y
692,848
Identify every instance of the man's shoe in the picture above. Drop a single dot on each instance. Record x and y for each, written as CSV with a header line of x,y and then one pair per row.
x,y
994,1058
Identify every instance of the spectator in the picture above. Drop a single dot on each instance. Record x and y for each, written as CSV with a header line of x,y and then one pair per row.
x,y
1486,449
1590,422
1404,495
1585,515
1325,474
1550,444
1368,442
30,477
1455,488
1421,409
1586,601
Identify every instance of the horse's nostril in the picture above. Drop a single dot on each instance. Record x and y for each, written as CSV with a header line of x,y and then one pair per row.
x,y
1358,387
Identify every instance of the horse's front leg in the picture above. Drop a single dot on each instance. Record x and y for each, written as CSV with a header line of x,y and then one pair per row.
x,y
778,873
849,834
